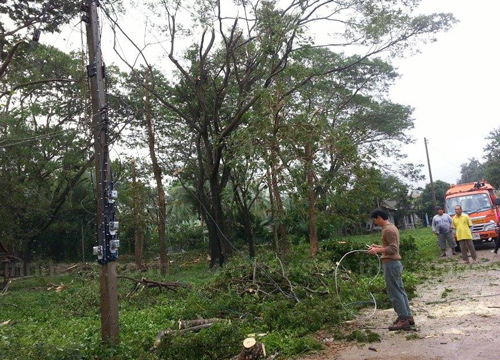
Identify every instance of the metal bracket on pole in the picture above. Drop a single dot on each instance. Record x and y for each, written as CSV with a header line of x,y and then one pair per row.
x,y
91,70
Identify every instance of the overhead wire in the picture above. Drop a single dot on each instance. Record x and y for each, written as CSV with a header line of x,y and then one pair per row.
x,y
5,144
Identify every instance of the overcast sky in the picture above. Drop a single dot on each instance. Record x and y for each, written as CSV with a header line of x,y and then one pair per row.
x,y
453,86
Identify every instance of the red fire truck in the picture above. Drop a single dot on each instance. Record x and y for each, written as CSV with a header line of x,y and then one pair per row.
x,y
479,201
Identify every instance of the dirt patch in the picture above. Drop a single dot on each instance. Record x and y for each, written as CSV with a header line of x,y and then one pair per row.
x,y
457,315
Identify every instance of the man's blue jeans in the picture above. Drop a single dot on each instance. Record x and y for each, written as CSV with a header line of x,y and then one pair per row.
x,y
393,271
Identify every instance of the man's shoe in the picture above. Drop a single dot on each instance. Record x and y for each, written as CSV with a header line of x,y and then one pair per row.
x,y
410,320
400,325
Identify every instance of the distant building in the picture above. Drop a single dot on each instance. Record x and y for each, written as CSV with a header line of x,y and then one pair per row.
x,y
408,221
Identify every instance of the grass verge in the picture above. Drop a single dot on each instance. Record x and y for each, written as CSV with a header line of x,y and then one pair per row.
x,y
284,300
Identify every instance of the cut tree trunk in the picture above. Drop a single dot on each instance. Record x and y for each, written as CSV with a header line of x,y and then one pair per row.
x,y
252,350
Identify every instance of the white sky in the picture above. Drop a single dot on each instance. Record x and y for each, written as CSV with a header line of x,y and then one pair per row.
x,y
453,86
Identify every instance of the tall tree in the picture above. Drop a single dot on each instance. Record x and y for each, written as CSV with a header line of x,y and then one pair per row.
x,y
227,72
46,138
337,125
45,147
492,163
248,180
157,171
425,204
138,221
472,171
146,129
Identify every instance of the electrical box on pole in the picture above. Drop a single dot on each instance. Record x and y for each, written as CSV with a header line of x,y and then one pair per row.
x,y
106,249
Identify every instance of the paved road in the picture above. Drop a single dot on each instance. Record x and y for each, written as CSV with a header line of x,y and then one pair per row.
x,y
463,325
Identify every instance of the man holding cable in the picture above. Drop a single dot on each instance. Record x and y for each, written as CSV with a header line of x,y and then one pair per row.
x,y
393,270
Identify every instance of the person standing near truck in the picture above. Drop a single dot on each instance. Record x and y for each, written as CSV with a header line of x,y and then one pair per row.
x,y
497,239
442,225
462,225
393,270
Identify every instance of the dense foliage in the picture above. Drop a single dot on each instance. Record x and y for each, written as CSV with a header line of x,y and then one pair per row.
x,y
260,135
475,170
284,302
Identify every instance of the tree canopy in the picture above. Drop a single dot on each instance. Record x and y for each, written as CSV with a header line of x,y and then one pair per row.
x,y
259,133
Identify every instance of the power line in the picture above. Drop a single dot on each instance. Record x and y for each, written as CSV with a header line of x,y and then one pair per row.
x,y
30,139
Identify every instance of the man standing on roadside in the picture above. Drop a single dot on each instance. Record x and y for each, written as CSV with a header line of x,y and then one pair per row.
x,y
462,225
393,270
442,227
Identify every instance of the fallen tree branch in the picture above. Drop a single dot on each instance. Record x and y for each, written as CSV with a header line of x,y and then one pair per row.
x,y
255,290
6,323
294,296
4,290
155,284
76,266
187,325
324,292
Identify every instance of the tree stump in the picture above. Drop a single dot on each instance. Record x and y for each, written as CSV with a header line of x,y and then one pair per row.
x,y
252,350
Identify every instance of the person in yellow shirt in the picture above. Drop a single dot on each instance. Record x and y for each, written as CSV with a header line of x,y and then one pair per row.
x,y
462,225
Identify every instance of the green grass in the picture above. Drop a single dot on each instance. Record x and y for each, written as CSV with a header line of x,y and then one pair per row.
x,y
66,325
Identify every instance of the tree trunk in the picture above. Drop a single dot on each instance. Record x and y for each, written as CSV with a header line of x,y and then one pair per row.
x,y
138,228
159,185
273,213
283,245
249,232
245,215
208,216
209,162
313,234
216,190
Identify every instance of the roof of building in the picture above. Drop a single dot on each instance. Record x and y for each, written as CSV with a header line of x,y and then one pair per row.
x,y
3,250
390,204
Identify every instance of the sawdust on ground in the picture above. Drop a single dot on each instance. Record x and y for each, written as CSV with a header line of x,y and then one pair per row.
x,y
457,316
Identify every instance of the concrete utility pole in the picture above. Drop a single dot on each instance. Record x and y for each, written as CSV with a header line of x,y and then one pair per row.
x,y
107,243
434,203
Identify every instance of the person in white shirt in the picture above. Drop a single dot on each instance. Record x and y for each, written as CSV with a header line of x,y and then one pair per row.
x,y
442,227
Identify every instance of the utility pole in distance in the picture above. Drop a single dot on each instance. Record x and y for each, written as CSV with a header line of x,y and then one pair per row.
x,y
434,204
106,226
